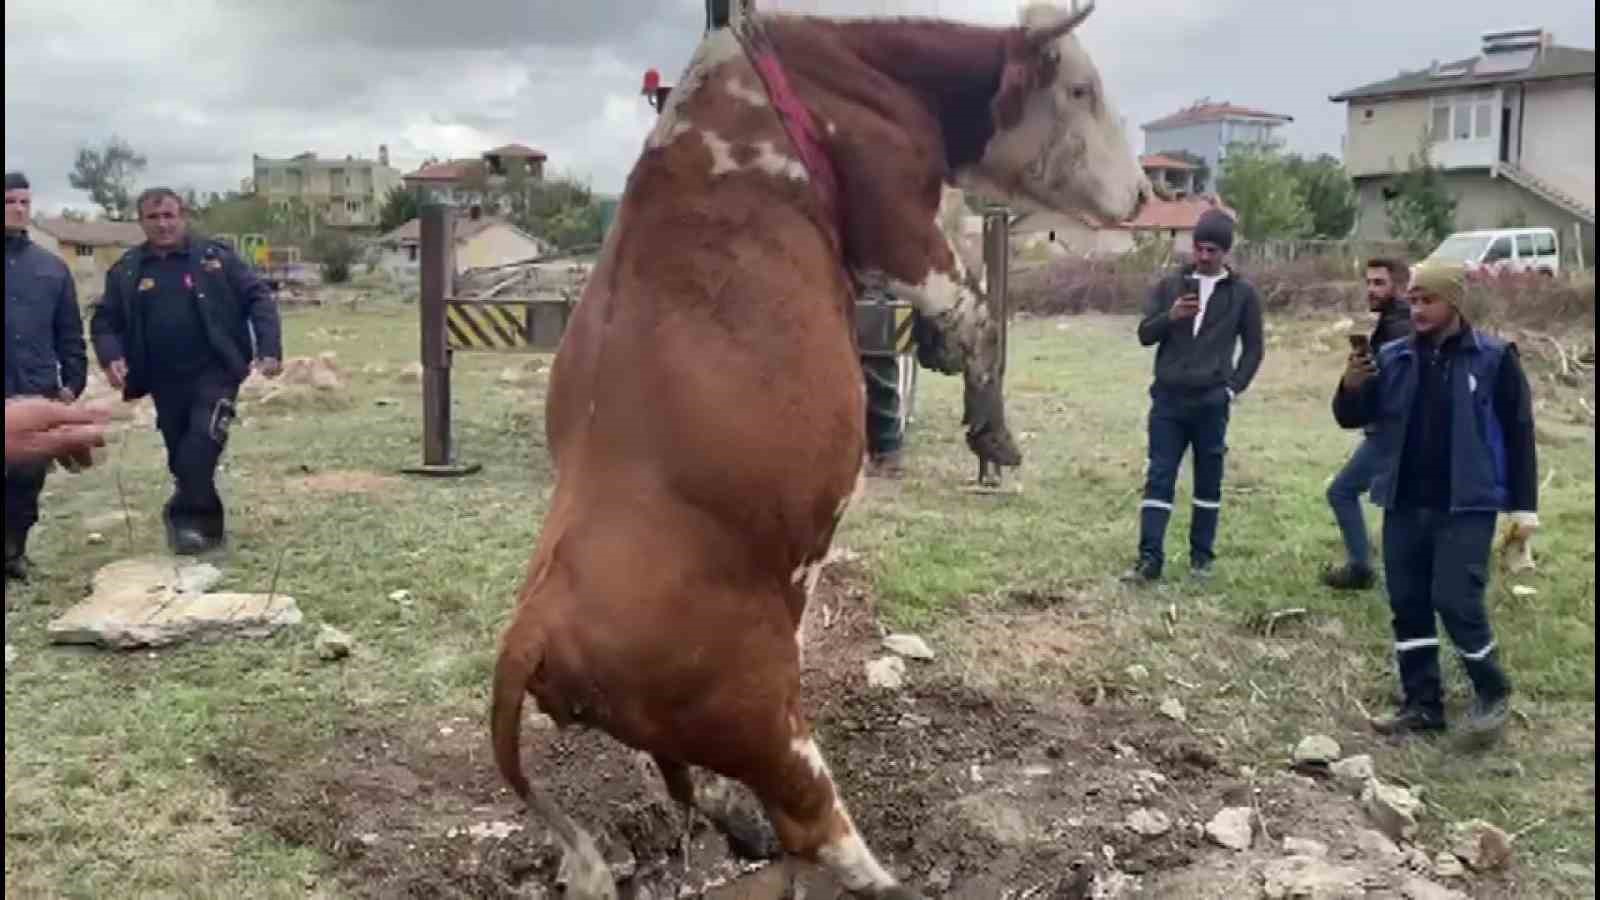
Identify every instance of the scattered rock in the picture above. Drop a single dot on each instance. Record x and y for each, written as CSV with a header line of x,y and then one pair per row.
x,y
888,672
1418,860
333,643
1136,672
1480,845
1174,710
1377,846
1316,750
1298,846
1148,822
1522,590
109,521
540,722
497,830
908,645
912,720
96,539
1448,865
155,601
1354,771
1416,888
1311,878
1392,809
1232,828
402,597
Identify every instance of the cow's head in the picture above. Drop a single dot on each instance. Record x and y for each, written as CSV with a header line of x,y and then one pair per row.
x,y
1058,143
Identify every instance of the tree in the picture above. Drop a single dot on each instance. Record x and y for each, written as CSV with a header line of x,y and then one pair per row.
x,y
401,206
1329,195
337,252
107,175
1421,209
1258,183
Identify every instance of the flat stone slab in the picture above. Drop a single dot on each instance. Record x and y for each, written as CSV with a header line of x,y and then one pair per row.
x,y
156,601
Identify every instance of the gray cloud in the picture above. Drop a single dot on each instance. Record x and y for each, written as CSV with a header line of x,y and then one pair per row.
x,y
198,93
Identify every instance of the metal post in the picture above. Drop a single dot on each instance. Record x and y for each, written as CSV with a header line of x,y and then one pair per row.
x,y
438,277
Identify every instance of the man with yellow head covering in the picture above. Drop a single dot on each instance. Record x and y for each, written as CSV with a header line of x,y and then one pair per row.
x,y
1453,419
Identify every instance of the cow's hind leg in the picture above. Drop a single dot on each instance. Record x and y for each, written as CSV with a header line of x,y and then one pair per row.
x,y
813,823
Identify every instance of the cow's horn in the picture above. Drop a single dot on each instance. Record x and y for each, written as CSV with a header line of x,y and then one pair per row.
x,y
1044,33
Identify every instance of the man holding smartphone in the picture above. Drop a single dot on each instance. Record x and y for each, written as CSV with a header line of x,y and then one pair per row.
x,y
1453,425
1386,284
1198,318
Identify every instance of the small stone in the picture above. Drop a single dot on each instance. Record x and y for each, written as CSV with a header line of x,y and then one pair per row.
x,y
1376,845
1480,845
1316,750
1136,672
1298,846
1232,828
332,643
1174,710
1148,822
1308,876
1448,865
912,720
1354,771
96,539
887,672
1522,590
402,597
937,879
540,722
1392,809
496,829
1417,888
908,645
384,401
1508,769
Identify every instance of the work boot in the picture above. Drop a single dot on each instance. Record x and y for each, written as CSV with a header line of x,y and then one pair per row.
x,y
18,566
1202,571
1145,571
189,542
1351,576
1486,723
1411,719
886,465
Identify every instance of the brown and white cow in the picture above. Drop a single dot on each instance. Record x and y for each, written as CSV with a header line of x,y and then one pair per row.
x,y
705,411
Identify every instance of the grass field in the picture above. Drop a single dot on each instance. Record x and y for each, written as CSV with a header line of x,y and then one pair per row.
x,y
111,774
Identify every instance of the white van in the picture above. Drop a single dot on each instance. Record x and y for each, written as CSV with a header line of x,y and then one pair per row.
x,y
1502,251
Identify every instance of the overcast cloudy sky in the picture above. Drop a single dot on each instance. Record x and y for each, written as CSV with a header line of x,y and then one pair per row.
x,y
200,85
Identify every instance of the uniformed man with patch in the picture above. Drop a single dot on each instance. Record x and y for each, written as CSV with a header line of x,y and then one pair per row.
x,y
181,321
45,355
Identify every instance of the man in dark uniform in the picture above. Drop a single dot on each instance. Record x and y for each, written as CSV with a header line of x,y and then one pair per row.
x,y
181,320
1455,435
45,354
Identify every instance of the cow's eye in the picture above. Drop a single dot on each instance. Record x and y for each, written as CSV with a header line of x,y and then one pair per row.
x,y
1081,92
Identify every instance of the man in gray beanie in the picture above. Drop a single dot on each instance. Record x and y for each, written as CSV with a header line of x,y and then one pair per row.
x,y
45,355
1197,317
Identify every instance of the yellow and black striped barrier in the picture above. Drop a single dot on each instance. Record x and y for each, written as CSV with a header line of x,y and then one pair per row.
x,y
486,326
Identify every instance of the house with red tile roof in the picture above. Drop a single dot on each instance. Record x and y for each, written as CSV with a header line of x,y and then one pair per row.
x,y
462,181
1204,131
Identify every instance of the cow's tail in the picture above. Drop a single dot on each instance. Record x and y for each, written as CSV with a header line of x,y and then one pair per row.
x,y
521,652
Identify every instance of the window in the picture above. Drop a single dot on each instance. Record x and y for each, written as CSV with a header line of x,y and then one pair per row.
x,y
84,250
411,252
1463,117
1544,244
352,206
1499,250
1524,246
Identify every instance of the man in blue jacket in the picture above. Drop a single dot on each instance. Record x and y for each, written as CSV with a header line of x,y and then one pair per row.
x,y
45,355
1453,424
181,320
1199,318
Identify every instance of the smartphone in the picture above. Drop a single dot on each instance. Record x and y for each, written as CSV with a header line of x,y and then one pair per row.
x,y
1360,343
1191,285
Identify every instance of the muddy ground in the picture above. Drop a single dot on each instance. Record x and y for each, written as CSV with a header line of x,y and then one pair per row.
x,y
964,794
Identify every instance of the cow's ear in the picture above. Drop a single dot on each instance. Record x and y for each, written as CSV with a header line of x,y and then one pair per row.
x,y
1016,79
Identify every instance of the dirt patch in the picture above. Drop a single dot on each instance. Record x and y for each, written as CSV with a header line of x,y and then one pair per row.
x,y
347,481
966,792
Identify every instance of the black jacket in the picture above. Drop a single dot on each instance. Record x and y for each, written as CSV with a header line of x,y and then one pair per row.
x,y
235,306
1196,363
1394,323
44,332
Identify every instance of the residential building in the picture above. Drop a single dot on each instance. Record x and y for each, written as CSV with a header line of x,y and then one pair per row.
x,y
480,240
89,247
1512,128
1206,129
1172,218
348,192
463,182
